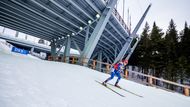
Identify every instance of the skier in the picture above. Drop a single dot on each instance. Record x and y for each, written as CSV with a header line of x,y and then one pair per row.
x,y
116,70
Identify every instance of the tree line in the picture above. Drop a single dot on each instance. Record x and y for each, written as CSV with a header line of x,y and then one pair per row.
x,y
164,54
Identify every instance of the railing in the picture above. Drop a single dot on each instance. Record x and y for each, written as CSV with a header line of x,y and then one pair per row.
x,y
118,16
81,61
128,74
120,19
158,82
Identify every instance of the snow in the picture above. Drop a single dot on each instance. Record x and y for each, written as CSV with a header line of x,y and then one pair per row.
x,y
26,82
6,47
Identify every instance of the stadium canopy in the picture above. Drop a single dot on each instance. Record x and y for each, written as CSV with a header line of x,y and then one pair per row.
x,y
94,27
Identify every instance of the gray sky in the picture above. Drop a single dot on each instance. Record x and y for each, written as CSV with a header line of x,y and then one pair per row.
x,y
161,11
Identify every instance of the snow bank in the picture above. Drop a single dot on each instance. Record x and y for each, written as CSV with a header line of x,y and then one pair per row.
x,y
6,47
25,82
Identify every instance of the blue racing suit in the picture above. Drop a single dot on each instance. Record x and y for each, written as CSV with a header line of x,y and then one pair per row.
x,y
116,72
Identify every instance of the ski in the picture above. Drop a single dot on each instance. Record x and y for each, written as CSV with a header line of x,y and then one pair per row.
x,y
126,90
111,89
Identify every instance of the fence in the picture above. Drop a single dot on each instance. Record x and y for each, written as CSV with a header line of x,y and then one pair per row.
x,y
128,74
118,16
120,19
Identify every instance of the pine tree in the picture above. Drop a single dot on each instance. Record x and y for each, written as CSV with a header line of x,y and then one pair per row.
x,y
145,46
156,49
184,59
171,41
140,57
168,55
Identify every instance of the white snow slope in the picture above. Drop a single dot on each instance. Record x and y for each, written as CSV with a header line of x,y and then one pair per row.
x,y
26,82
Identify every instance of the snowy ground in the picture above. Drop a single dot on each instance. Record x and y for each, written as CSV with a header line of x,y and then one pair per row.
x,y
26,82
6,48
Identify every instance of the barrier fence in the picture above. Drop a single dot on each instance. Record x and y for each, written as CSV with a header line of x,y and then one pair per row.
x,y
128,74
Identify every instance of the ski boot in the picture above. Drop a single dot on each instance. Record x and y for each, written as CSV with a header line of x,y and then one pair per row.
x,y
104,83
116,85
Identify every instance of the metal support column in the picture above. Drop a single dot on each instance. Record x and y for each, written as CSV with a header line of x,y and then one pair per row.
x,y
87,35
96,34
53,48
140,21
116,52
94,55
108,59
58,52
99,64
124,50
67,49
127,45
16,35
3,30
133,48
76,45
32,50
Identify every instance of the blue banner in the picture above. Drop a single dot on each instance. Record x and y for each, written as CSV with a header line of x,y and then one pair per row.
x,y
21,51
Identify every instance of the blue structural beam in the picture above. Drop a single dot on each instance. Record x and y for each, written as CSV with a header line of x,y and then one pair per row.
x,y
32,50
67,48
53,48
140,21
66,10
115,51
127,45
87,34
58,52
77,47
133,48
95,36
99,65
94,55
106,56
123,50
16,35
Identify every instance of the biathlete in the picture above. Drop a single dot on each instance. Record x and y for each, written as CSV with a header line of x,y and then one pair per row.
x,y
117,69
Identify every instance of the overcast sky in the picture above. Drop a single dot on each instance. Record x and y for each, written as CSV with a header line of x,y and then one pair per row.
x,y
162,11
